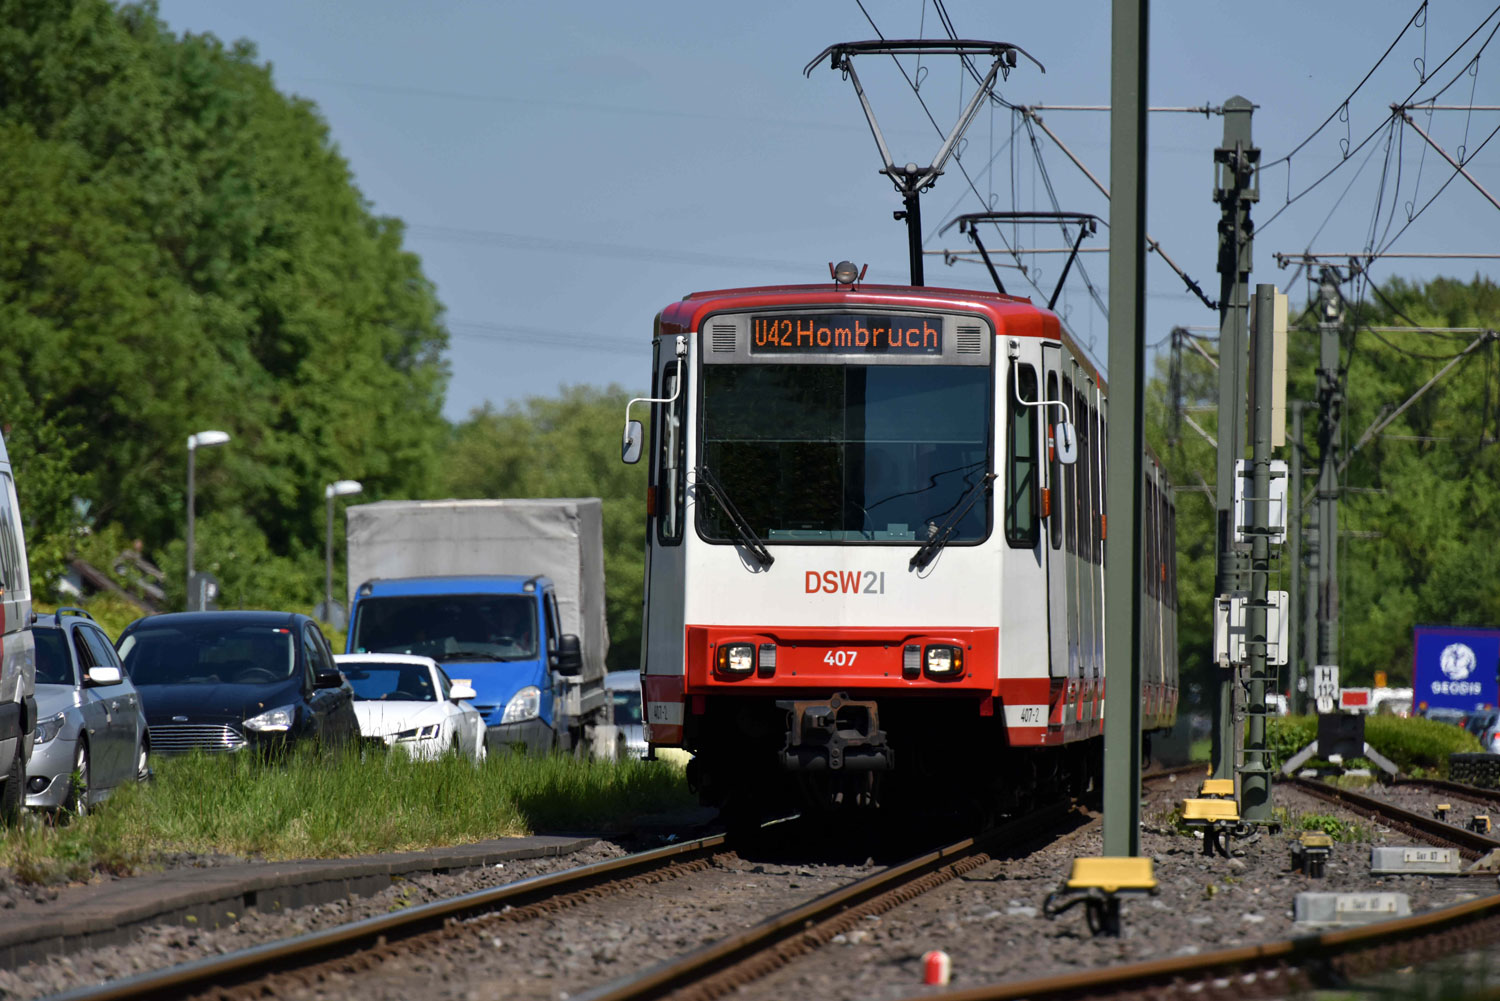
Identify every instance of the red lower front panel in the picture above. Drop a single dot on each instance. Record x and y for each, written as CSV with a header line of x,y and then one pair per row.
x,y
841,659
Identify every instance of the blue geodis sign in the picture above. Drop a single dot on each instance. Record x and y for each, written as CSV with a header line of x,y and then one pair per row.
x,y
1455,667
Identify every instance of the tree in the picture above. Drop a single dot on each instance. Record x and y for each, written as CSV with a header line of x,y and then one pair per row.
x,y
183,248
566,446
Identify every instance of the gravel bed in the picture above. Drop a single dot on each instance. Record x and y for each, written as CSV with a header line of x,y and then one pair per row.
x,y
991,925
168,945
989,921
1420,799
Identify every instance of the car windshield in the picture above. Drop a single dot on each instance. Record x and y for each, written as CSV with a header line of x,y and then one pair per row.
x,y
53,665
851,454
390,682
627,705
448,627
209,654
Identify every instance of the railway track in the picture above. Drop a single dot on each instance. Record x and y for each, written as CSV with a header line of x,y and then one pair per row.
x,y
279,967
719,968
1470,844
389,932
1273,969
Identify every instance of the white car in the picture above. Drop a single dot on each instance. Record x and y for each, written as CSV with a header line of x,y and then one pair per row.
x,y
411,703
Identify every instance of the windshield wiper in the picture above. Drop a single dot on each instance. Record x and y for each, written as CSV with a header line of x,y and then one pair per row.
x,y
747,534
934,545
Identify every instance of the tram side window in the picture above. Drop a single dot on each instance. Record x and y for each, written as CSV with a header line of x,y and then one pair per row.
x,y
672,457
1083,483
1153,542
1172,557
1087,523
1021,462
1069,496
1054,484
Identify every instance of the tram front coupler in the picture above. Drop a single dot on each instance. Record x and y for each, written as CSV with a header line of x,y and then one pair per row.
x,y
835,734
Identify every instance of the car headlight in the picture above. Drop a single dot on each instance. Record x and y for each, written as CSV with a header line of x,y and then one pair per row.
x,y
273,720
525,704
428,732
49,728
945,660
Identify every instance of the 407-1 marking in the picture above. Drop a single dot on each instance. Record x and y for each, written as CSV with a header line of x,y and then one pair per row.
x,y
844,582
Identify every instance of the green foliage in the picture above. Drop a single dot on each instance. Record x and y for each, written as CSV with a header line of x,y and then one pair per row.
x,y
1286,735
567,446
183,248
1416,520
45,451
321,807
1335,828
1413,743
1410,743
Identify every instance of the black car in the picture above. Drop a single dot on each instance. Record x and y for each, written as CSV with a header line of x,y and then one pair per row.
x,y
222,681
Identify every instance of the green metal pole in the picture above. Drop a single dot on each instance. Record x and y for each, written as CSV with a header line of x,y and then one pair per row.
x,y
1123,574
1255,776
1330,399
1235,190
1294,560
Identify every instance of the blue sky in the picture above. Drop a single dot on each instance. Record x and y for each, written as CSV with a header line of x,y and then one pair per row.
x,y
568,169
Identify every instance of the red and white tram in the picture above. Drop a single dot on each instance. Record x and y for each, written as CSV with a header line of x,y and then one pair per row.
x,y
875,548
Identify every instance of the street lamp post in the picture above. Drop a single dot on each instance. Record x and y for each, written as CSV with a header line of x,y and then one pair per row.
x,y
202,439
341,488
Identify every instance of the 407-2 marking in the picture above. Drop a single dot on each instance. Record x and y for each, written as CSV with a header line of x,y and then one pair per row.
x,y
844,582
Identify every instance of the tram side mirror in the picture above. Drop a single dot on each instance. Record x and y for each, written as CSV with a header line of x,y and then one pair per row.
x,y
1066,443
630,446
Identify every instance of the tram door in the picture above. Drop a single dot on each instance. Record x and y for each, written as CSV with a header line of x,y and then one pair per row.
x,y
662,617
1054,554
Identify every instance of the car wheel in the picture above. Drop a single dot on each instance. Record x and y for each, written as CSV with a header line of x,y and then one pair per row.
x,y
143,763
621,749
13,793
77,802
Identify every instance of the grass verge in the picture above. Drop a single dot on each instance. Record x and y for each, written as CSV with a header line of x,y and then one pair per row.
x,y
335,806
1417,746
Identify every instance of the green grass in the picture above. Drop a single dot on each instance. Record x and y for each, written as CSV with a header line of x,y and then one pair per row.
x,y
335,806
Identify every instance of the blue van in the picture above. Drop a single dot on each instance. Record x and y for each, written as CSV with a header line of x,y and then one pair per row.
x,y
501,631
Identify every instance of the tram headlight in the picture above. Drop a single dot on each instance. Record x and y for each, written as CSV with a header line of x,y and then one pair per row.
x,y
943,661
737,658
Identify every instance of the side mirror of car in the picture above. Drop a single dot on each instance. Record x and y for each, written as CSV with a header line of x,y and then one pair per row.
x,y
103,675
461,691
328,678
569,655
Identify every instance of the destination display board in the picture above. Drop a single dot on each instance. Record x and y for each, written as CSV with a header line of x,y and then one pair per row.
x,y
846,333
1455,667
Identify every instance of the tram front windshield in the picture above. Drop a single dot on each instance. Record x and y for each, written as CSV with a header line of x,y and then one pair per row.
x,y
847,453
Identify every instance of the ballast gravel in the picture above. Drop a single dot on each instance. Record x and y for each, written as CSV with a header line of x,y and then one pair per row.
x,y
990,921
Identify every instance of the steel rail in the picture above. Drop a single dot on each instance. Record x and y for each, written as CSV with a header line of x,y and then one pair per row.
x,y
1274,969
718,968
1470,844
247,965
1475,794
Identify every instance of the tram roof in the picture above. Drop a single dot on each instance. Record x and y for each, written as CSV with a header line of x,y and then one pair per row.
x,y
1012,316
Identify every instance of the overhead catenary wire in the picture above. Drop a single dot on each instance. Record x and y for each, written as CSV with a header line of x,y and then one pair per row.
x,y
957,159
1349,153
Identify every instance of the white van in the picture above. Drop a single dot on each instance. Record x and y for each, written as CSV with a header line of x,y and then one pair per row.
x,y
17,651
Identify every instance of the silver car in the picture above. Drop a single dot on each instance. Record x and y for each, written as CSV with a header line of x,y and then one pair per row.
x,y
90,732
